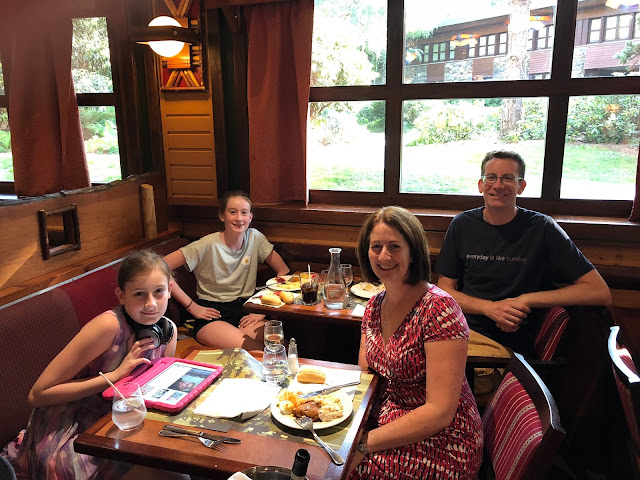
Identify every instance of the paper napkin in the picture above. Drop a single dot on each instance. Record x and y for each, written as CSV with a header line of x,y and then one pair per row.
x,y
244,397
239,476
334,377
358,311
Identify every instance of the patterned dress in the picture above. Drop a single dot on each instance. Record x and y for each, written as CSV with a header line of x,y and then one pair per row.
x,y
456,451
47,453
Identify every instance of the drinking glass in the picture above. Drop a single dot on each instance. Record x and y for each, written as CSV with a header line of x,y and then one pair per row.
x,y
347,273
309,282
275,366
273,333
128,414
323,279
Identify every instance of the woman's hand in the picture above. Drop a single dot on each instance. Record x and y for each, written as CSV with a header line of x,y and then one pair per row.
x,y
203,313
251,320
134,357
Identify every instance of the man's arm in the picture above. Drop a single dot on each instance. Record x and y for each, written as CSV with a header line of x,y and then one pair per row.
x,y
507,313
589,289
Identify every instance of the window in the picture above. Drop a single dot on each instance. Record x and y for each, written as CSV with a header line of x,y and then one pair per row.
x,y
613,27
91,71
417,137
92,80
6,160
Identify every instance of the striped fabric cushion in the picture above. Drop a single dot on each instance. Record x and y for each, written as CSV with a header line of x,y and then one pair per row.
x,y
553,326
625,399
512,429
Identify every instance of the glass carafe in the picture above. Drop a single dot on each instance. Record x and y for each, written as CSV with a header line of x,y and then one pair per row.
x,y
334,287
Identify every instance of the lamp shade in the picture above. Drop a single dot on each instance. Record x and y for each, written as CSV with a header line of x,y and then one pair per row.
x,y
166,48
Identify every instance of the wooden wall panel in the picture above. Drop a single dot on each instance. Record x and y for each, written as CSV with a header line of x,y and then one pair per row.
x,y
109,218
603,54
189,148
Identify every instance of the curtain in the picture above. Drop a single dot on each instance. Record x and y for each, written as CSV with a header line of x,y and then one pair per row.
x,y
278,77
635,211
46,137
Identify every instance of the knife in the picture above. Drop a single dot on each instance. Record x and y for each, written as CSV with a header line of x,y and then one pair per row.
x,y
210,436
324,391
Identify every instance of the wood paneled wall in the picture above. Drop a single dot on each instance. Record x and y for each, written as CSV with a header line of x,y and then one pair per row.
x,y
110,222
189,153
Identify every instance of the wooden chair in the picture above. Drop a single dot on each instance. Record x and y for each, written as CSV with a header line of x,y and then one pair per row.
x,y
521,426
627,380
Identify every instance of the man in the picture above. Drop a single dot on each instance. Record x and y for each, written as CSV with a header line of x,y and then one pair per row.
x,y
499,261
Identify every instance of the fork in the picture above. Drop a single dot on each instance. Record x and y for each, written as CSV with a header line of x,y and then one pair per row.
x,y
307,424
214,444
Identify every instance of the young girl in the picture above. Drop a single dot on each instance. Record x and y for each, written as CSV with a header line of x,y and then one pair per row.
x,y
225,265
67,396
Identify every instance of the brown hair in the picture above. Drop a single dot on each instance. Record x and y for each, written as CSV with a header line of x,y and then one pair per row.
x,y
234,193
507,155
411,229
141,263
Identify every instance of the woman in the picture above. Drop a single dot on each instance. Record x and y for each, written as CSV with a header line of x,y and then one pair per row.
x,y
415,337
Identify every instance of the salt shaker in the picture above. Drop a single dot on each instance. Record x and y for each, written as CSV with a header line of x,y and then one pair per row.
x,y
293,357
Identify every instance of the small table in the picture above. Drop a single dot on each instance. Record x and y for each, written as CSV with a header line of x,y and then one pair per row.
x,y
144,446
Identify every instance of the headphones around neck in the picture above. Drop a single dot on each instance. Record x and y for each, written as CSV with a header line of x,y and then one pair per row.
x,y
162,331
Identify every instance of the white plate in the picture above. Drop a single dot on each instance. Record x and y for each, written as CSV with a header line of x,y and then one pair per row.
x,y
273,284
359,291
289,421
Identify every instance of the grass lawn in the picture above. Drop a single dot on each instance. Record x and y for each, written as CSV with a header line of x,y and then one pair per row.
x,y
589,171
102,168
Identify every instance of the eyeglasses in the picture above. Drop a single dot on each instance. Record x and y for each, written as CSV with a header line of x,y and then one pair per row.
x,y
493,178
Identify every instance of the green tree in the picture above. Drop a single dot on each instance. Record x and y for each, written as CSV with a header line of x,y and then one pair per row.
x,y
631,51
347,47
90,60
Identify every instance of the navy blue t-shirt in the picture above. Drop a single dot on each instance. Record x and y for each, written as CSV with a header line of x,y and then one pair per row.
x,y
494,262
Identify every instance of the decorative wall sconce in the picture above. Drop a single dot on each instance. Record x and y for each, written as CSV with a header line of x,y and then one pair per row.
x,y
176,36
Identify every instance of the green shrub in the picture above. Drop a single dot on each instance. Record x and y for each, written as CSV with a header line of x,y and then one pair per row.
x,y
603,119
107,143
5,142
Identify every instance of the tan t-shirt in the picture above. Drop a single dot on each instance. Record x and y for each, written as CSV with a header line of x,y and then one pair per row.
x,y
224,275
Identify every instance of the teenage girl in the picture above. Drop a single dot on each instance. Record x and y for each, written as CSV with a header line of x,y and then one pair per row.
x,y
67,396
225,265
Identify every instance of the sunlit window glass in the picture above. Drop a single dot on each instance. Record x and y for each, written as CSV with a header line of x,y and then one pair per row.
x,y
2,92
605,52
6,160
444,141
474,29
101,143
345,146
349,43
90,57
601,151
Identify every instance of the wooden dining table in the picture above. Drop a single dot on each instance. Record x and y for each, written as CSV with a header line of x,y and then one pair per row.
x,y
265,442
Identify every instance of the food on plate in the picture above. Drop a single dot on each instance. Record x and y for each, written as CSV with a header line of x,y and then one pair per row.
x,y
320,408
270,299
279,280
295,279
286,407
286,297
309,409
311,375
366,286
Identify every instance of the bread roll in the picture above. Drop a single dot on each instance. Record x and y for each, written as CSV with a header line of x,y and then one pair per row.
x,y
286,297
270,299
311,375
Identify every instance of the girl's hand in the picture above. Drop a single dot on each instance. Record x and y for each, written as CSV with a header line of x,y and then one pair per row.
x,y
203,313
134,357
251,320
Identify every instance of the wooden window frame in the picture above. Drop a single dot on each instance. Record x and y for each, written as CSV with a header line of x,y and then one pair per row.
x,y
559,88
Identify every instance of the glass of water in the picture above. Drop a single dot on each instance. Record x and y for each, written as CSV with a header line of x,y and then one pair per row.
x,y
275,366
128,412
273,333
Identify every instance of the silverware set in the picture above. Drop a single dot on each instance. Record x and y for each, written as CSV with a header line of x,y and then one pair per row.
x,y
209,440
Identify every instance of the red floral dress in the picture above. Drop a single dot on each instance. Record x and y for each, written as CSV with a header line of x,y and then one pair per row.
x,y
454,452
